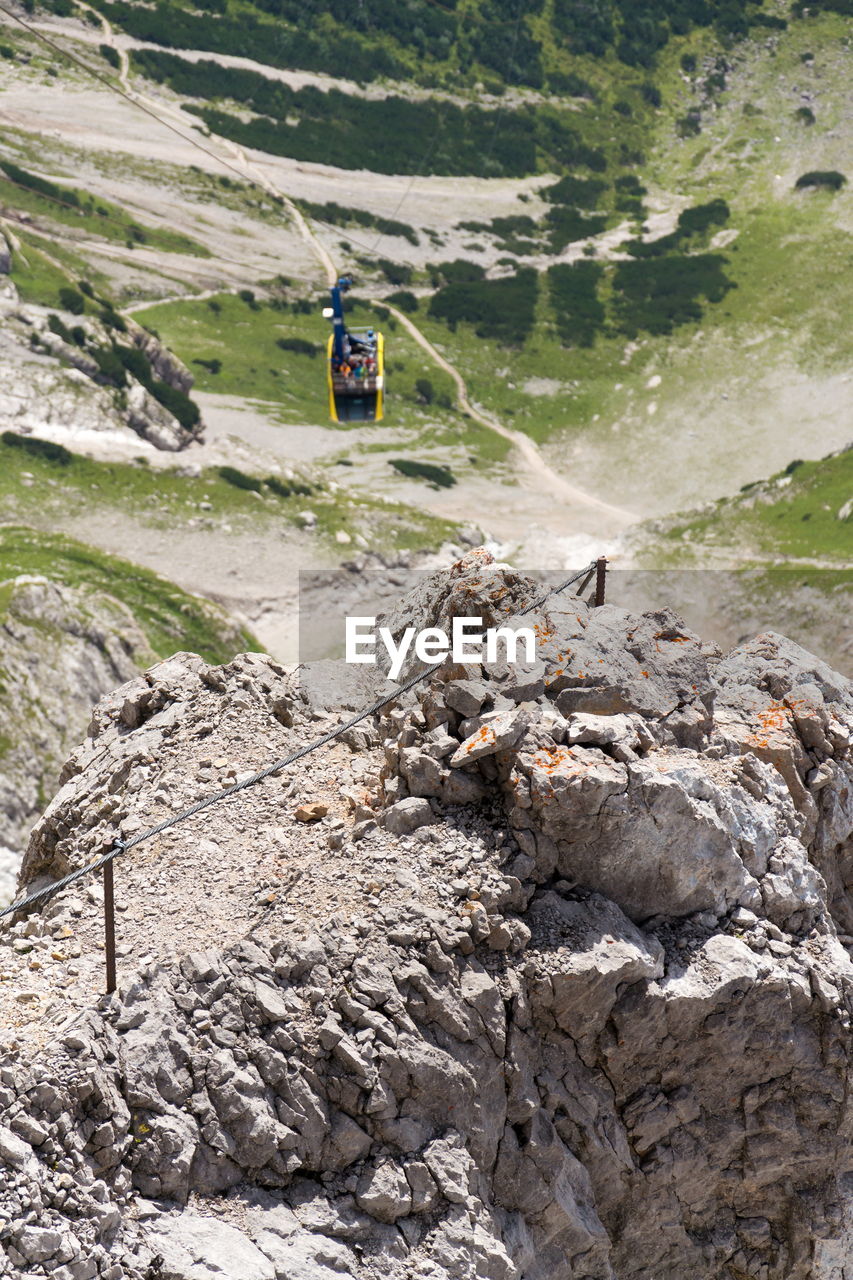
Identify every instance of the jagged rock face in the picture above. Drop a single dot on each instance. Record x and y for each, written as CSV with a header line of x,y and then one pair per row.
x,y
49,383
165,363
635,761
60,650
593,1024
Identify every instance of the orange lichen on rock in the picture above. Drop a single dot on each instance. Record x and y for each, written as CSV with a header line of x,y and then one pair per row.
x,y
556,759
775,718
485,734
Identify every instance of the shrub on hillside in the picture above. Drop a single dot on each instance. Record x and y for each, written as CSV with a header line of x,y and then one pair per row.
x,y
573,289
300,346
657,294
828,179
502,309
136,362
285,489
387,135
239,479
342,216
112,320
54,323
566,225
570,84
690,125
701,217
177,402
438,477
583,193
268,42
404,299
110,365
41,186
395,272
72,301
459,271
45,450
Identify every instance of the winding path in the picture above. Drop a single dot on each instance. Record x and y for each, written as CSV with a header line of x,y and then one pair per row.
x,y
530,457
532,465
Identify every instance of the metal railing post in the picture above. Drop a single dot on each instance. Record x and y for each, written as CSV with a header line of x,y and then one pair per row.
x,y
109,926
600,579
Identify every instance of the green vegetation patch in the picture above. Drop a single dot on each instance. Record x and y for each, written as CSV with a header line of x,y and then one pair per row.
x,y
573,292
239,479
828,180
693,227
330,47
806,512
437,477
39,277
498,41
45,450
584,193
657,294
565,225
340,216
301,346
514,234
21,189
385,135
171,619
503,309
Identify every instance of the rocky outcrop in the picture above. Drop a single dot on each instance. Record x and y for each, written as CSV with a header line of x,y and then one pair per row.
x,y
8,292
558,988
56,386
61,649
164,362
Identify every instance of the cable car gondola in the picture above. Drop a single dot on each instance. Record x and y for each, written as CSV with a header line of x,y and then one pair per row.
x,y
355,365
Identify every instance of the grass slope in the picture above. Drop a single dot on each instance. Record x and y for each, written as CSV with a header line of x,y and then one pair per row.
x,y
46,493
804,513
54,203
170,618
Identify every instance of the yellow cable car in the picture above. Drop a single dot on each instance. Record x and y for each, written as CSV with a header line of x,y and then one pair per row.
x,y
355,366
357,399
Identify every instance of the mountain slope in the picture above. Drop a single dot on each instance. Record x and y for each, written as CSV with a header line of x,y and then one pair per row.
x,y
73,624
648,292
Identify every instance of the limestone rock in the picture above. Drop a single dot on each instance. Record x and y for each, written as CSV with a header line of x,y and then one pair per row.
x,y
193,1247
594,1021
407,815
384,1193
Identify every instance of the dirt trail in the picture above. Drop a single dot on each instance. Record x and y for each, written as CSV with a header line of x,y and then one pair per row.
x,y
532,465
529,455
